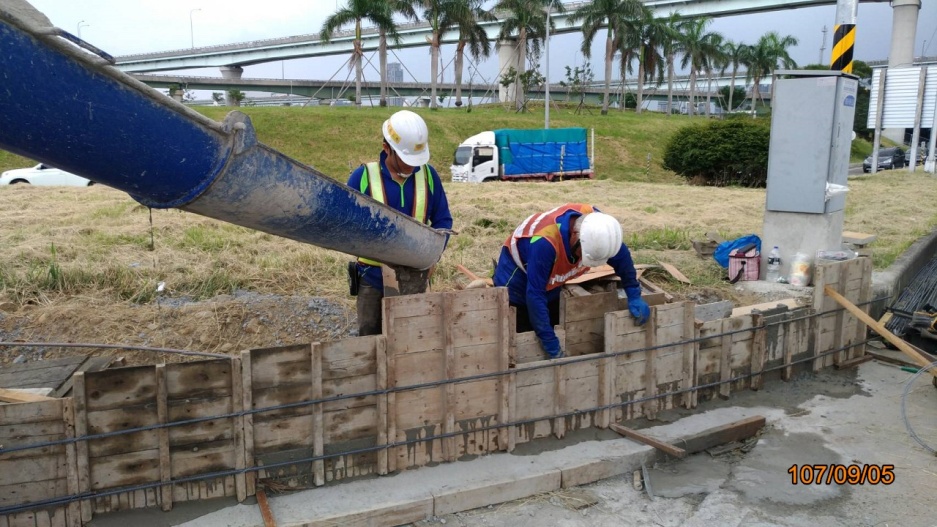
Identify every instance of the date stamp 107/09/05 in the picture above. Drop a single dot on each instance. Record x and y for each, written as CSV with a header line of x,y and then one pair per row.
x,y
836,474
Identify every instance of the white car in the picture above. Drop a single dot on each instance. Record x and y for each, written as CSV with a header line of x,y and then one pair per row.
x,y
43,175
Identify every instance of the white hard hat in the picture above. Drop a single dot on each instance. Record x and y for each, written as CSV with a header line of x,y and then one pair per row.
x,y
599,237
407,134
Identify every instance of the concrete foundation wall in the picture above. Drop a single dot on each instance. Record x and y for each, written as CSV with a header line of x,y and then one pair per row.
x,y
795,232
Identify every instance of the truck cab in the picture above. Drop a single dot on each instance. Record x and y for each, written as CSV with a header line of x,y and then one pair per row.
x,y
476,159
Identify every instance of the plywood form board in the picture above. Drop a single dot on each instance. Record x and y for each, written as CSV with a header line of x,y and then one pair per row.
x,y
442,336
583,319
836,328
37,474
526,346
625,342
39,374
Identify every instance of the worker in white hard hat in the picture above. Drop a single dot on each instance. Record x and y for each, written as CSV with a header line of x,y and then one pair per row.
x,y
550,248
403,180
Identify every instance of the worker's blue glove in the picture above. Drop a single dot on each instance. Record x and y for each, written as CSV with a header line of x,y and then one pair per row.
x,y
637,306
553,350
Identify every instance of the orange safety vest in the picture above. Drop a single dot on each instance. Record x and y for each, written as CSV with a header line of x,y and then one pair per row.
x,y
545,225
375,187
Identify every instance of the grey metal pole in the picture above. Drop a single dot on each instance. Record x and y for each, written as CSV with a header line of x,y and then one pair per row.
x,y
844,35
192,27
918,110
879,110
546,106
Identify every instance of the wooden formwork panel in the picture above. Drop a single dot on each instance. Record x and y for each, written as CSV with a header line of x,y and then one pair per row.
x,y
583,319
42,473
658,358
525,347
295,375
126,398
439,337
835,328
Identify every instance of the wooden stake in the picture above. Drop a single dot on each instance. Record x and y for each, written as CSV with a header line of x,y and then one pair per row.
x,y
880,329
381,357
162,417
318,430
759,344
725,360
650,366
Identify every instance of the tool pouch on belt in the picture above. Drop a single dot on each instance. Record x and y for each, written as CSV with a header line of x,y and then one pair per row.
x,y
353,278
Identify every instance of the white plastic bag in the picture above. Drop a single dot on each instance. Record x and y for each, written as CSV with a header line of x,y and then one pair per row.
x,y
800,270
832,189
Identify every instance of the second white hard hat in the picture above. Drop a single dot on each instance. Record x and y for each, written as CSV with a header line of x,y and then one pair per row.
x,y
407,134
599,237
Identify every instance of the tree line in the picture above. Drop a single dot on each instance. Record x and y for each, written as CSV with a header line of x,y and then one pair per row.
x,y
632,33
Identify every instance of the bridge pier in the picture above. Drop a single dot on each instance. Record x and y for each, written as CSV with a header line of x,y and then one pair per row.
x,y
231,72
177,93
507,57
901,54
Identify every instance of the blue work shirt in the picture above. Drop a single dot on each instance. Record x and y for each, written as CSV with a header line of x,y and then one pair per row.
x,y
530,288
400,197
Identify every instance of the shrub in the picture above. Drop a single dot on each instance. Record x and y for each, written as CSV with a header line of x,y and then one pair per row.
x,y
721,153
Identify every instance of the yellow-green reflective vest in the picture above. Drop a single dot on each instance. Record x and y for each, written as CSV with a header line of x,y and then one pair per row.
x,y
375,188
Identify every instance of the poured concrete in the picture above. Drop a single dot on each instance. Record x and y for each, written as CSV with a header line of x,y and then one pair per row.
x,y
795,232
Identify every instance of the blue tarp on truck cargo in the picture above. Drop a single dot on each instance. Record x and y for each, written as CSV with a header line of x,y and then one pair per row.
x,y
542,151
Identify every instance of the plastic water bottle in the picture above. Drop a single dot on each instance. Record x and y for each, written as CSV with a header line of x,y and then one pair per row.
x,y
774,265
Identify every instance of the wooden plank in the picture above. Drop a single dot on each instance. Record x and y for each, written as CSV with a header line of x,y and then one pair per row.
x,y
825,273
162,416
650,366
81,447
449,367
575,290
490,492
39,374
120,387
125,469
666,448
674,272
278,366
690,355
391,399
89,364
791,303
265,511
318,431
380,355
758,351
504,364
247,422
606,374
201,379
858,238
587,308
73,511
725,360
594,273
865,295
16,396
559,401
840,321
237,425
720,435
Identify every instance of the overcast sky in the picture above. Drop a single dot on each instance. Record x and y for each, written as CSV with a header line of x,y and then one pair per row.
x,y
123,27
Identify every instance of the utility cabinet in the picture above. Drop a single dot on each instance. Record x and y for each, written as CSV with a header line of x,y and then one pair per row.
x,y
812,115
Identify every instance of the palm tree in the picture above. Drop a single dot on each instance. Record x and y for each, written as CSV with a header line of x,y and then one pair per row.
x,y
355,12
404,8
698,46
735,54
778,46
671,44
652,34
716,60
468,17
763,58
613,14
527,19
441,15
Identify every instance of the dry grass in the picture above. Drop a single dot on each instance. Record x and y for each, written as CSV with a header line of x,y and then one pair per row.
x,y
96,241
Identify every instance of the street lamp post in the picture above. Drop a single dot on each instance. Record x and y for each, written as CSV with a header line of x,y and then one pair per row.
x,y
192,27
81,25
546,106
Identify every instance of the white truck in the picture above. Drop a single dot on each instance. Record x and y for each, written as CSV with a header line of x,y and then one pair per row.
x,y
507,154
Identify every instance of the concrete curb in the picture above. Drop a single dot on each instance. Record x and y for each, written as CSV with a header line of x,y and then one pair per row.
x,y
890,282
434,491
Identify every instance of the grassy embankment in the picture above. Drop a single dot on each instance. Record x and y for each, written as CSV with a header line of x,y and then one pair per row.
x,y
97,241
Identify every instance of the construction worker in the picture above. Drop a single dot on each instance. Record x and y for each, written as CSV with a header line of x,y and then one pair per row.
x,y
403,180
550,248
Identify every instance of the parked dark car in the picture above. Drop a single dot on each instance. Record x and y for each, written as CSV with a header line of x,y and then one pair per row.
x,y
887,158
